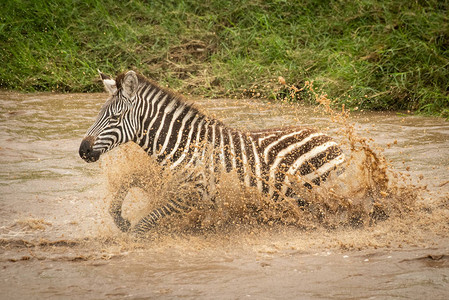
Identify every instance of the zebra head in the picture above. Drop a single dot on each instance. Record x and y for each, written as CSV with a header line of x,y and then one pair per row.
x,y
116,123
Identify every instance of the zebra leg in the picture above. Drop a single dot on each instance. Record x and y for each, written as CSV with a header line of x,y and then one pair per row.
x,y
292,195
115,210
300,201
196,189
151,220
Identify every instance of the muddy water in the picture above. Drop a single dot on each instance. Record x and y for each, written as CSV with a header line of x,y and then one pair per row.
x,y
57,241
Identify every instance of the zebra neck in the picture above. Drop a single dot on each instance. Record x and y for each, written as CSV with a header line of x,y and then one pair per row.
x,y
172,129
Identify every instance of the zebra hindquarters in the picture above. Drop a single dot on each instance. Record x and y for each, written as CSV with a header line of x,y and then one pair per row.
x,y
295,158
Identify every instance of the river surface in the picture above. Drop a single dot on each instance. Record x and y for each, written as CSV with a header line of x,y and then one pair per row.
x,y
58,242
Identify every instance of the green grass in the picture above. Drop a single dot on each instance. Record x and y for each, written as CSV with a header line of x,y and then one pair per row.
x,y
370,54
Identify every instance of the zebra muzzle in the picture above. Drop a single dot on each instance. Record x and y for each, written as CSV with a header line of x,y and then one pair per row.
x,y
86,150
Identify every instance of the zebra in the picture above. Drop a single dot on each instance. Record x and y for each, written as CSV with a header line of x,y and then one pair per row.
x,y
177,135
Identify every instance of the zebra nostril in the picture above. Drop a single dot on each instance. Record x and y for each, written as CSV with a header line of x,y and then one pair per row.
x,y
85,148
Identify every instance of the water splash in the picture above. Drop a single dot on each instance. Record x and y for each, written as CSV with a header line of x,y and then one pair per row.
x,y
367,192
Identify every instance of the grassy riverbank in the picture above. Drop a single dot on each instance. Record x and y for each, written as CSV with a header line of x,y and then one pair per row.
x,y
369,54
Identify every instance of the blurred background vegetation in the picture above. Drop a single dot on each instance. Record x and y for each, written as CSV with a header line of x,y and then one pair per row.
x,y
366,54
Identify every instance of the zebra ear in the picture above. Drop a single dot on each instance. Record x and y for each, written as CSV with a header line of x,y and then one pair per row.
x,y
130,83
108,82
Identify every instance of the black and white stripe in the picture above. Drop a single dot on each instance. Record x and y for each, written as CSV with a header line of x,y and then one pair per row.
x,y
179,136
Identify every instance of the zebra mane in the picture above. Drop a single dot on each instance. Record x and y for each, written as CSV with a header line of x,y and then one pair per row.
x,y
145,80
172,94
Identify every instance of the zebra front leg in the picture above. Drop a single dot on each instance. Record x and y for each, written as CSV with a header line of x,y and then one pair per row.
x,y
151,220
115,210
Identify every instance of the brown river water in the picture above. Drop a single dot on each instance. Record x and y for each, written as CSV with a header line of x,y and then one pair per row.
x,y
58,242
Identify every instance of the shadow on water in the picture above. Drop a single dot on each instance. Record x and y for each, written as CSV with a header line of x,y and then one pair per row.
x,y
57,240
